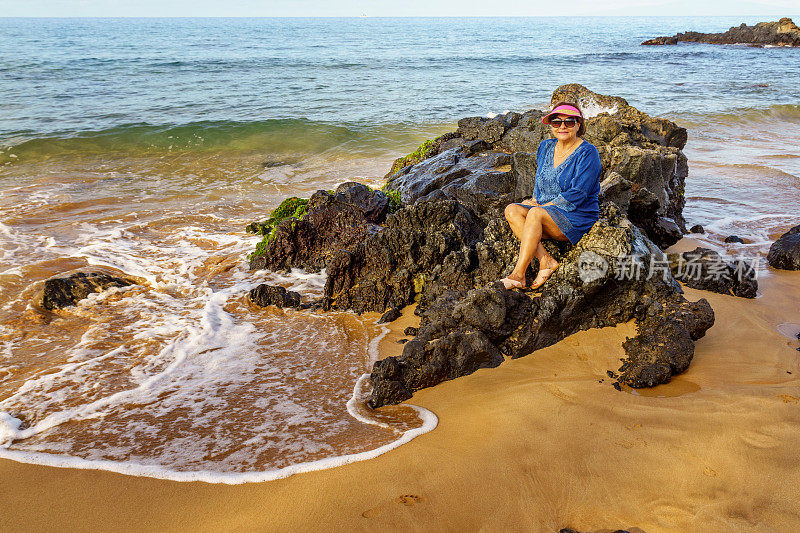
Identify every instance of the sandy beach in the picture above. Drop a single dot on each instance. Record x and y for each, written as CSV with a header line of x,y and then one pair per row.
x,y
538,444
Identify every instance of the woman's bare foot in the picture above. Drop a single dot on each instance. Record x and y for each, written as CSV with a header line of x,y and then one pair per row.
x,y
511,283
546,269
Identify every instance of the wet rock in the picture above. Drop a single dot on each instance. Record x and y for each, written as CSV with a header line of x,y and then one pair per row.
x,y
734,238
638,152
424,364
480,182
332,222
781,33
374,204
394,266
706,270
64,292
574,298
265,295
390,316
410,331
697,228
785,252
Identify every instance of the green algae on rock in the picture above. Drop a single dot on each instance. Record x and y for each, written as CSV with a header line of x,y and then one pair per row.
x,y
292,207
413,158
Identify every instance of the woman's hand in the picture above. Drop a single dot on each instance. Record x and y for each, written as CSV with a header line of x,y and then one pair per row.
x,y
530,201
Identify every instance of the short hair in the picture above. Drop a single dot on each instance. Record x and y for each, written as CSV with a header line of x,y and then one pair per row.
x,y
581,121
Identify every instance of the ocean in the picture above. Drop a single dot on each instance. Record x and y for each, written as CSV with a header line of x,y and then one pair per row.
x,y
145,146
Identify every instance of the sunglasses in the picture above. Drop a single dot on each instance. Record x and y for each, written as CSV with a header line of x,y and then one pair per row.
x,y
568,122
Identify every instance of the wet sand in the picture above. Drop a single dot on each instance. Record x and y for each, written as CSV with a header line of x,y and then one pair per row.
x,y
534,445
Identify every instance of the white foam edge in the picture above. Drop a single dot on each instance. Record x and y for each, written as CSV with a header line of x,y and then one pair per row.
x,y
429,423
492,114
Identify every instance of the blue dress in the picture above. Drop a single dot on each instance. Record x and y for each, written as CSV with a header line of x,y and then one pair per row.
x,y
572,187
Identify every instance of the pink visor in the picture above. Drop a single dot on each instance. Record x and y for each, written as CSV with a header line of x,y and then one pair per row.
x,y
562,110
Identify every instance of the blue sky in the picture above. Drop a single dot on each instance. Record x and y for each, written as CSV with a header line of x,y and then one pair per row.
x,y
767,9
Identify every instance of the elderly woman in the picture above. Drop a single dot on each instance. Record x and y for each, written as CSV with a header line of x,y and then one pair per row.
x,y
564,204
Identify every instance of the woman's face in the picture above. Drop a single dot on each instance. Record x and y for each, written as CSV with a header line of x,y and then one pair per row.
x,y
563,132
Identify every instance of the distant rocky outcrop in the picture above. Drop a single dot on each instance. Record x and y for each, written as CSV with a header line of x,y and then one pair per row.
x,y
488,163
781,33
785,252
64,292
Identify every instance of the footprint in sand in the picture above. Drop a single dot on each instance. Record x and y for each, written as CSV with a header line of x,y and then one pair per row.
x,y
667,514
788,398
408,500
760,440
558,392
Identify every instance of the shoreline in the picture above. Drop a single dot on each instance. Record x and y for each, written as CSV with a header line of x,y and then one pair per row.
x,y
537,442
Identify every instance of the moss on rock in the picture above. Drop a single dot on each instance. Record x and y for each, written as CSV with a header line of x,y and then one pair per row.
x,y
413,158
292,207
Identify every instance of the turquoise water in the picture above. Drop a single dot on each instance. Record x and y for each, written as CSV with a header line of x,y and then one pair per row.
x,y
133,78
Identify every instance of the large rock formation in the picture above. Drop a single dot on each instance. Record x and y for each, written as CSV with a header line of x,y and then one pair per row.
x,y
449,244
598,284
490,162
64,292
785,252
781,33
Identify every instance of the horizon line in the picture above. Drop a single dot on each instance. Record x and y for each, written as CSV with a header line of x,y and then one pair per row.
x,y
372,16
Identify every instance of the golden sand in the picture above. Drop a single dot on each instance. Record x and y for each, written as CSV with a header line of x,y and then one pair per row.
x,y
537,444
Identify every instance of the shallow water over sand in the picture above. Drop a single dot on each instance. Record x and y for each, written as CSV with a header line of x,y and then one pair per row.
x,y
179,373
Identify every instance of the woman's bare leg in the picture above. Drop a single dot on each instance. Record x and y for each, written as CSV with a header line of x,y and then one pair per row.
x,y
516,216
530,225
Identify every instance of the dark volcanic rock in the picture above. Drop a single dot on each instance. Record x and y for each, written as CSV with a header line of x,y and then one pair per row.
x,y
390,268
661,41
390,316
734,238
781,33
697,228
333,222
64,292
638,153
785,252
265,295
588,290
479,182
706,270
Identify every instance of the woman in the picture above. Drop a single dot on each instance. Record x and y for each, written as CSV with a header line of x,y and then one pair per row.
x,y
565,196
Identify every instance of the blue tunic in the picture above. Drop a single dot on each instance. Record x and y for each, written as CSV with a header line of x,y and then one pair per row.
x,y
572,187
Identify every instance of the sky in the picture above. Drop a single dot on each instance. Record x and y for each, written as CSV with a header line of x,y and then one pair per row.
x,y
768,9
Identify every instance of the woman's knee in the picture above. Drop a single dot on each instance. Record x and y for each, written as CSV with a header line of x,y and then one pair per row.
x,y
514,211
535,215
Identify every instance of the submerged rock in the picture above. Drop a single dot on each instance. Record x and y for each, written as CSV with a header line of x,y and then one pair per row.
x,y
265,295
733,239
490,162
781,33
785,252
64,292
706,270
